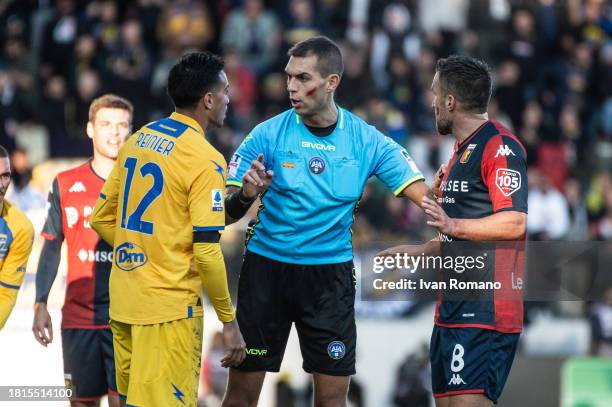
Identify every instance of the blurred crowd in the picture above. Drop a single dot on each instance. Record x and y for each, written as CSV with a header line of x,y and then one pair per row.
x,y
552,64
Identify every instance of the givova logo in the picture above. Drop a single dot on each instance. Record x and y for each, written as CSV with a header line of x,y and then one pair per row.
x,y
336,350
129,256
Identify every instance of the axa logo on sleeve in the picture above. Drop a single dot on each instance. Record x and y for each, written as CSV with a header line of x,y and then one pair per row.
x,y
508,181
129,256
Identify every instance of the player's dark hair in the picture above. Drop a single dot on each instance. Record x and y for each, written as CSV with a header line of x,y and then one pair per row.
x,y
328,54
467,79
3,152
194,75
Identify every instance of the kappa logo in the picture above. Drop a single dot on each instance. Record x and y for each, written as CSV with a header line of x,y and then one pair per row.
x,y
77,187
504,151
456,380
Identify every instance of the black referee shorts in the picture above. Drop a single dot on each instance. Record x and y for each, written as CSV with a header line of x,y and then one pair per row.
x,y
319,299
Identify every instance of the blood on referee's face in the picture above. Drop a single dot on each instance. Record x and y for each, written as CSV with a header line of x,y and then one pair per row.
x,y
308,90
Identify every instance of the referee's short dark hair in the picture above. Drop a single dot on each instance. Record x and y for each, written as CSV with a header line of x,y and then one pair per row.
x,y
194,75
468,80
329,57
4,152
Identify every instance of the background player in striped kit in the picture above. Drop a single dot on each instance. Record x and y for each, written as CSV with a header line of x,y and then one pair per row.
x,y
87,342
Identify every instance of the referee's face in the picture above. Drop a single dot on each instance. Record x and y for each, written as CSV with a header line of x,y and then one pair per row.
x,y
306,86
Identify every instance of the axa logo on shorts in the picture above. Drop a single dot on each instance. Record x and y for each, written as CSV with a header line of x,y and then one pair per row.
x,y
129,256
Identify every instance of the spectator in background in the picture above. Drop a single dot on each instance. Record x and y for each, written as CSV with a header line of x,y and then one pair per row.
x,y
59,36
53,116
301,24
523,48
243,92
357,84
103,22
20,68
601,326
130,65
548,212
254,34
88,56
21,193
578,218
604,226
184,25
394,43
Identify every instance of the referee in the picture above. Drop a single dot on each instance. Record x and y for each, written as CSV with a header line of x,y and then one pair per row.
x,y
298,266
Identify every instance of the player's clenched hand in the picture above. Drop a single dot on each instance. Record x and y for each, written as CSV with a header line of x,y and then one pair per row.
x,y
234,345
256,179
438,218
42,327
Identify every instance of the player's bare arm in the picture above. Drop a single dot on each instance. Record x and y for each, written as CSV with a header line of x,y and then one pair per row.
x,y
505,225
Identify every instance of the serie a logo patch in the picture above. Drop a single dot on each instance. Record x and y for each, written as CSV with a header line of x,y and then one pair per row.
x,y
467,153
217,200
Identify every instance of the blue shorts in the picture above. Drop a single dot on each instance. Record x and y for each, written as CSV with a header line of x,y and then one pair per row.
x,y
470,361
89,364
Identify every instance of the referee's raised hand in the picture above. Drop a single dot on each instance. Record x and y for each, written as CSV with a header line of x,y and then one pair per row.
x,y
256,179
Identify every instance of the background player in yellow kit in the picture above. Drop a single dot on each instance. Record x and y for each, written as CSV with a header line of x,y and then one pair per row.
x,y
16,235
161,207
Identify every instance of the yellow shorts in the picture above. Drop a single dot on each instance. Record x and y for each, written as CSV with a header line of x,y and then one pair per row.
x,y
158,364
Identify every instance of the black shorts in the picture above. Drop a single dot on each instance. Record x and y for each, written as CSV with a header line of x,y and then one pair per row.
x,y
319,299
89,363
470,361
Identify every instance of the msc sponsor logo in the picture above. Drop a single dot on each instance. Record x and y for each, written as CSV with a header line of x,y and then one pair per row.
x,y
129,256
99,256
318,146
316,165
256,352
336,350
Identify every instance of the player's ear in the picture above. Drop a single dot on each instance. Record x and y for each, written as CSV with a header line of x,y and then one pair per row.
x,y
333,81
90,130
450,102
207,101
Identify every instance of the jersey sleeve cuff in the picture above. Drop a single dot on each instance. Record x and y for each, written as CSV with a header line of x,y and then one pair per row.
x,y
207,228
234,183
403,186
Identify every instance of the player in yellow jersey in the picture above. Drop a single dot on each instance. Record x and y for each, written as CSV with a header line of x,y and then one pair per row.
x,y
16,235
162,207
